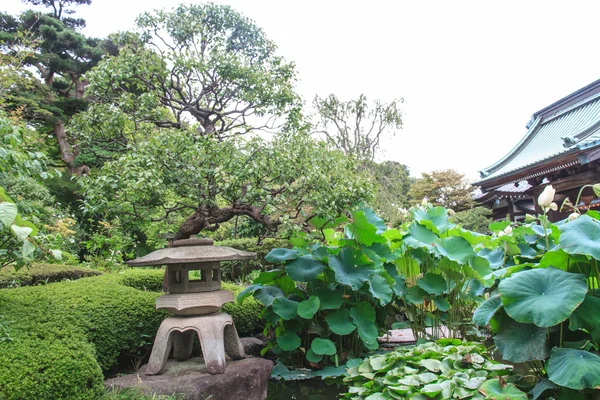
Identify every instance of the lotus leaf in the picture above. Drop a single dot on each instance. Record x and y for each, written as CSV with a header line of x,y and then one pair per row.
x,y
308,308
323,347
304,268
543,296
575,369
278,256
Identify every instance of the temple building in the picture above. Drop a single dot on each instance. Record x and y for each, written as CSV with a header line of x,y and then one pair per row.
x,y
561,148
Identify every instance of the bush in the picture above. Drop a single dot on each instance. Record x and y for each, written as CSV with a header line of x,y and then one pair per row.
x,y
235,270
149,279
65,334
42,273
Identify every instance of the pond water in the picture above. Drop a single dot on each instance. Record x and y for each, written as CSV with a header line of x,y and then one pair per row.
x,y
309,389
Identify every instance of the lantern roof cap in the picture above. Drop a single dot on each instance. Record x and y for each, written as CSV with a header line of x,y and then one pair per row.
x,y
192,250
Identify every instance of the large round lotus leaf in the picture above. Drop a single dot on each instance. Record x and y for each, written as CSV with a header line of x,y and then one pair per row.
x,y
304,268
434,218
308,308
323,347
486,310
419,236
543,296
416,295
265,294
587,316
496,389
581,236
521,342
267,277
351,267
330,299
285,308
363,316
432,283
278,256
380,289
455,248
312,357
288,341
339,322
575,369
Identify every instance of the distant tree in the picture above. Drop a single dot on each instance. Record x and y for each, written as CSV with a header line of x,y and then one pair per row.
x,y
204,64
475,219
447,188
393,182
60,10
61,56
355,126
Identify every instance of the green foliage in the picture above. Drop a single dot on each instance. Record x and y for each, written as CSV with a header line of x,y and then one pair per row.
x,y
445,369
343,290
446,188
41,274
232,270
475,219
546,303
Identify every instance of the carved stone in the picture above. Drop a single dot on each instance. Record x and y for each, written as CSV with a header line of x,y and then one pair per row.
x,y
194,303
217,336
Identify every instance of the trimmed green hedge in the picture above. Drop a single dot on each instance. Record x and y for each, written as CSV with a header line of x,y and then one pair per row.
x,y
65,334
233,270
42,273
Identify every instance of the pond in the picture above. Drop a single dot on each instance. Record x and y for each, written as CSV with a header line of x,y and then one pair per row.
x,y
309,389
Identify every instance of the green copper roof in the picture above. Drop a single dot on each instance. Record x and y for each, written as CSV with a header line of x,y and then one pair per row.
x,y
570,129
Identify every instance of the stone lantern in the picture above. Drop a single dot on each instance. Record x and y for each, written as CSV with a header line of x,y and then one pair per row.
x,y
195,298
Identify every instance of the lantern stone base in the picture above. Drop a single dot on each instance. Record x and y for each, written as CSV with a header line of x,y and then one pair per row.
x,y
194,303
244,379
217,336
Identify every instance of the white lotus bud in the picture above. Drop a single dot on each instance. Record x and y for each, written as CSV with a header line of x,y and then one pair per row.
x,y
573,216
508,230
424,202
547,197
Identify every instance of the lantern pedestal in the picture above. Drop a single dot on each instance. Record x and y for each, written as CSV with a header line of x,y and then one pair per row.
x,y
217,336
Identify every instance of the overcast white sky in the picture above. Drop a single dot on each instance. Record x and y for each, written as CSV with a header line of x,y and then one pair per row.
x,y
471,72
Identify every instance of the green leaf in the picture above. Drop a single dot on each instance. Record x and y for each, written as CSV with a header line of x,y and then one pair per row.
x,y
431,364
575,369
441,303
339,322
581,236
495,389
521,342
431,390
267,277
312,357
455,248
21,232
288,341
285,308
330,299
363,316
364,231
434,218
432,283
323,347
27,249
304,268
399,286
278,256
8,213
543,385
419,236
351,267
486,310
308,308
416,295
498,226
267,294
380,289
587,316
374,220
544,296
244,294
